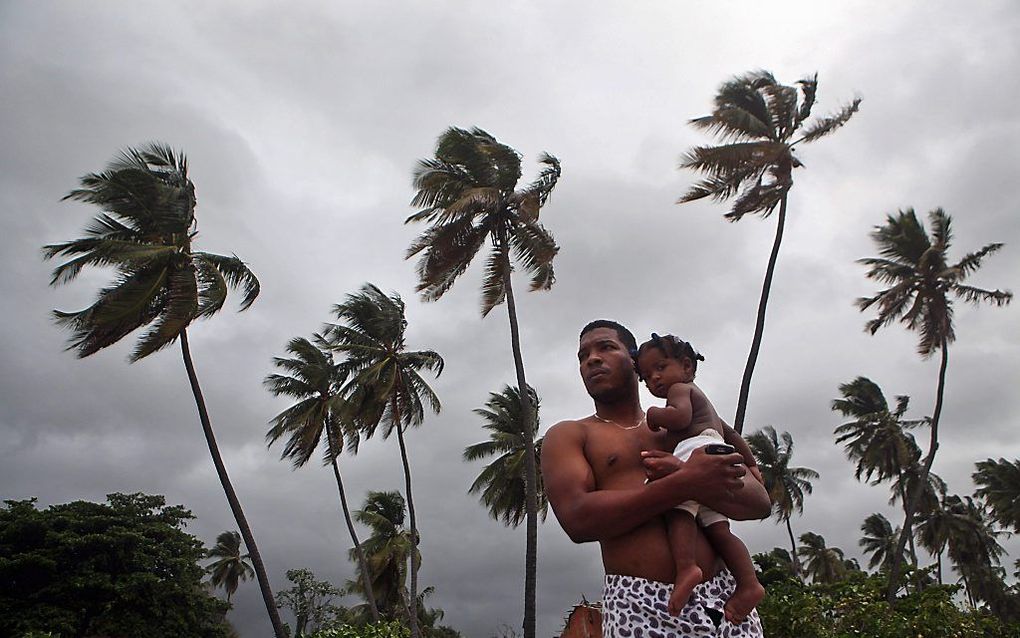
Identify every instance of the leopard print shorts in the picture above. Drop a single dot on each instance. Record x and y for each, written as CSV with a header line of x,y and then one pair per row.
x,y
636,608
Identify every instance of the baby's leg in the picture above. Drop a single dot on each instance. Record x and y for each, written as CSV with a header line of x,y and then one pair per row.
x,y
749,591
682,534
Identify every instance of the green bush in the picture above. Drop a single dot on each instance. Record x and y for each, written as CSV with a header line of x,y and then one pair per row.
x,y
392,629
856,608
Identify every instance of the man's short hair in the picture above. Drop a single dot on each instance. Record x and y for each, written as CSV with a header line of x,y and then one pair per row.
x,y
624,335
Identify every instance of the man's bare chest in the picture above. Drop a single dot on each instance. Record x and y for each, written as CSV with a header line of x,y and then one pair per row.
x,y
614,455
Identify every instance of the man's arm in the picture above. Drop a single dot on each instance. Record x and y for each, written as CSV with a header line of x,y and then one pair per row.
x,y
588,514
748,501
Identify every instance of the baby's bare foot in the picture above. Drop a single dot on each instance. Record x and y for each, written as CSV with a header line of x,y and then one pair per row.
x,y
687,578
744,599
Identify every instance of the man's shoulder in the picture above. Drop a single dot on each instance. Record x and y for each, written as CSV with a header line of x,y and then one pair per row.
x,y
567,430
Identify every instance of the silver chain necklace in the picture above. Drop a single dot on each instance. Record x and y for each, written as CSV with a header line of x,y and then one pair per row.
x,y
622,427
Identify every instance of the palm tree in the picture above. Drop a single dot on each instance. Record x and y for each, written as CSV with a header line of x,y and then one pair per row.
x,y
920,277
385,385
786,485
760,123
879,541
999,486
502,481
823,564
230,566
388,548
468,192
145,234
315,382
972,545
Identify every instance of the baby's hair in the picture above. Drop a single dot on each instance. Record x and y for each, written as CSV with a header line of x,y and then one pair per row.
x,y
670,346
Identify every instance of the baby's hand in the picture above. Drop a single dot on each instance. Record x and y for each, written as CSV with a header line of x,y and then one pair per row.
x,y
653,424
658,463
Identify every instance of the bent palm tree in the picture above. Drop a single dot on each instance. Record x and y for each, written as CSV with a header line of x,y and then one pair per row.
x,y
823,564
316,382
385,387
468,192
920,277
879,541
502,482
230,567
145,233
387,548
761,123
786,485
999,485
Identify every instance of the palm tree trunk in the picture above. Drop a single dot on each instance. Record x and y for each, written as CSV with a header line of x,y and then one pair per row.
x,y
413,612
759,326
915,496
793,547
366,576
530,469
228,488
938,562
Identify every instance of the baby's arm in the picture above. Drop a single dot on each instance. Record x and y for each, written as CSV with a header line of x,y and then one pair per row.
x,y
677,414
731,437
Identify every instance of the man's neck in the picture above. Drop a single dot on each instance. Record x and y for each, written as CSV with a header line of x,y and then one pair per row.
x,y
625,410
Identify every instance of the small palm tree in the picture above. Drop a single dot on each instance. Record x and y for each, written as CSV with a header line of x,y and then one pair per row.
x,y
823,564
388,548
879,541
920,279
146,233
972,544
385,385
468,192
230,567
502,482
999,485
761,123
315,381
786,485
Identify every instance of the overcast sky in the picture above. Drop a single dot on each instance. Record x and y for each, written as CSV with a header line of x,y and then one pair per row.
x,y
302,126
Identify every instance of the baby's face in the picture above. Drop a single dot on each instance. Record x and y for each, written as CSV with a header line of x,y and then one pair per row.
x,y
660,371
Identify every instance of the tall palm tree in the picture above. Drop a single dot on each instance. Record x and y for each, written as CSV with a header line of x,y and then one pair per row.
x,y
823,564
230,566
760,123
786,485
468,192
999,485
927,495
145,234
385,385
972,545
921,281
315,381
388,548
879,541
502,481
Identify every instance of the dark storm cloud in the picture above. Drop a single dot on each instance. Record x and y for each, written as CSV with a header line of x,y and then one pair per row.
x,y
302,126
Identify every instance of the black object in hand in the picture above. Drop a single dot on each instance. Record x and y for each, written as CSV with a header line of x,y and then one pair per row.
x,y
719,448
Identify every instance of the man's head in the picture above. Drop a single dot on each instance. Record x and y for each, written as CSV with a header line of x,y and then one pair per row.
x,y
604,358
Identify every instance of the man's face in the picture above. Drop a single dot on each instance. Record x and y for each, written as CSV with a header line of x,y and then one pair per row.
x,y
605,364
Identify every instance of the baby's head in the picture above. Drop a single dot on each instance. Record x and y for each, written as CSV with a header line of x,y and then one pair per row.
x,y
663,361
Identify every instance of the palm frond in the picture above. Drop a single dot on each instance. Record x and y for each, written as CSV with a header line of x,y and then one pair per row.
x,y
826,125
236,273
497,270
181,308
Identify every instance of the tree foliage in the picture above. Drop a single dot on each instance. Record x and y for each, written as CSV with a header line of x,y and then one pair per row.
x,y
121,568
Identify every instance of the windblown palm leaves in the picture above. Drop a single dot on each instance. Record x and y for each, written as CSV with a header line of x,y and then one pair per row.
x,y
999,485
879,541
760,122
145,234
388,548
230,566
501,483
921,281
316,382
823,564
385,385
468,192
786,485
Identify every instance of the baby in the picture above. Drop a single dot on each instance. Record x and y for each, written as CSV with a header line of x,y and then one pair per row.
x,y
667,366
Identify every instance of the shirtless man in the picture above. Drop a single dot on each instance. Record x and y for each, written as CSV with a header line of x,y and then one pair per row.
x,y
594,472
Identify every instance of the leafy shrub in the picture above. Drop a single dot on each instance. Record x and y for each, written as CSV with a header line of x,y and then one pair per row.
x,y
391,629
